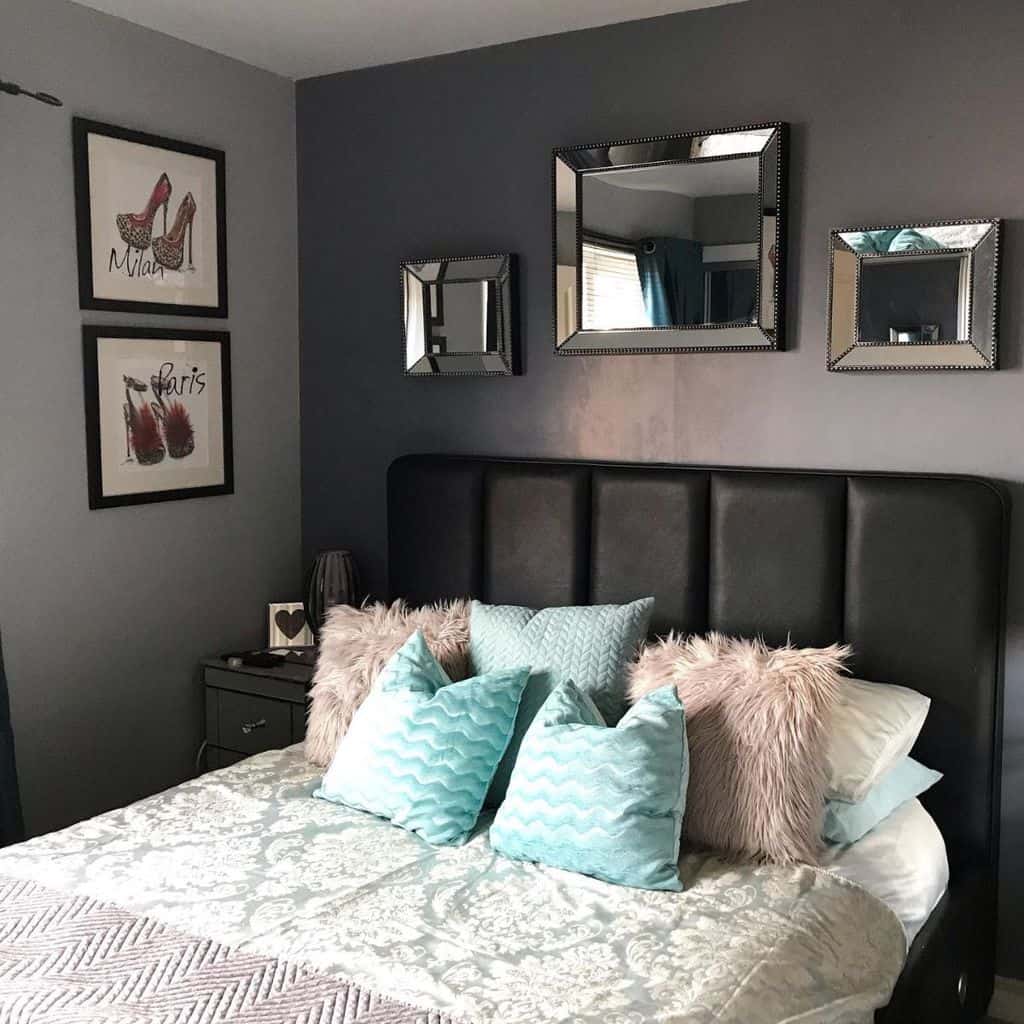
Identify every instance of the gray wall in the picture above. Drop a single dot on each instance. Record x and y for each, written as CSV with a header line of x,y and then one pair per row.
x,y
104,614
452,155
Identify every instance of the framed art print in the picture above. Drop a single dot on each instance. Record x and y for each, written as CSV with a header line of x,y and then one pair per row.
x,y
151,224
287,626
157,414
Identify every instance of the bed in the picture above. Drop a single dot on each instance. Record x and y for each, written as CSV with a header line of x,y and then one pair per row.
x,y
239,892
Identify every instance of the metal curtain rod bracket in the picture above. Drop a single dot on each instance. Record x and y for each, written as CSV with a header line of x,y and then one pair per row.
x,y
17,90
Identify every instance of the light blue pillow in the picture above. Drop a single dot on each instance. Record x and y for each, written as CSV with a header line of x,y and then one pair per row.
x,y
871,241
600,801
847,822
910,239
591,645
890,240
422,750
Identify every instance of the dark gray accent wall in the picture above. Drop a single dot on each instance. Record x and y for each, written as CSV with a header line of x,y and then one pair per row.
x,y
901,110
104,614
911,294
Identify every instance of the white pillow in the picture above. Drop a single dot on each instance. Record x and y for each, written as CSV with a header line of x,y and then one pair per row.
x,y
874,725
902,862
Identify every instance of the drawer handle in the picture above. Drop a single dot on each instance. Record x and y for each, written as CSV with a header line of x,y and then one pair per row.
x,y
248,727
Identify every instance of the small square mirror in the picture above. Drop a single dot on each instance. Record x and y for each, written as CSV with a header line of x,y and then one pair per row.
x,y
914,297
459,316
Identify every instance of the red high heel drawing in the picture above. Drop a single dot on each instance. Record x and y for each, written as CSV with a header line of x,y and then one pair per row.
x,y
136,229
169,250
142,431
178,431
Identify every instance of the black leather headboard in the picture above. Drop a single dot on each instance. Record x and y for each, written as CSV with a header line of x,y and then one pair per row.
x,y
908,569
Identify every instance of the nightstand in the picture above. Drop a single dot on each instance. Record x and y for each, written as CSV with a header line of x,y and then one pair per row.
x,y
249,710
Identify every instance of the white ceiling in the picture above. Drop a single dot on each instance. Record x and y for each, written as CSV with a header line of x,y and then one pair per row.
x,y
302,38
712,178
696,180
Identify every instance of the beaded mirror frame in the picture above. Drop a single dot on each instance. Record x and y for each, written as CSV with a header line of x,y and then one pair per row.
x,y
767,142
966,338
447,330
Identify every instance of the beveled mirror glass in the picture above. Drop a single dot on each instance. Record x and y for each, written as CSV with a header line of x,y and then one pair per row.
x,y
670,244
459,316
914,297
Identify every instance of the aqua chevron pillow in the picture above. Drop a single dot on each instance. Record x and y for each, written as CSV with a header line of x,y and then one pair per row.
x,y
422,750
589,644
597,800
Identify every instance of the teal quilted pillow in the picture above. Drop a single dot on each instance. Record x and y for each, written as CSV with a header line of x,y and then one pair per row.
x,y
422,750
601,801
591,645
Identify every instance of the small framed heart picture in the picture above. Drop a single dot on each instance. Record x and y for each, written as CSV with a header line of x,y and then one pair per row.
x,y
287,626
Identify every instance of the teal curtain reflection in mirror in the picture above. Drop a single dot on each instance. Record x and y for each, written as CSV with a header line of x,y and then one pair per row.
x,y
672,280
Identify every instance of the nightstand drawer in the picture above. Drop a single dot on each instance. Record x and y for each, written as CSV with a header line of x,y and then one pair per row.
x,y
251,724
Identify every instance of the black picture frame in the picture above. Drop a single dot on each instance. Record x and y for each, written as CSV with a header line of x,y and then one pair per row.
x,y
81,129
91,333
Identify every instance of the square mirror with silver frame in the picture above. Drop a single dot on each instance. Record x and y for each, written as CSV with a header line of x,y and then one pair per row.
x,y
459,316
914,297
673,243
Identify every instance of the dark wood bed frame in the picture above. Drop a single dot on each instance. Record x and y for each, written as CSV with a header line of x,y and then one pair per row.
x,y
908,569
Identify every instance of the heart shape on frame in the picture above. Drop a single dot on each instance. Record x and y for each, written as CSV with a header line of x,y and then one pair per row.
x,y
290,623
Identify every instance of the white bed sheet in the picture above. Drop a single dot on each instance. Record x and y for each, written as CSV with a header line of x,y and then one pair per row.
x,y
902,862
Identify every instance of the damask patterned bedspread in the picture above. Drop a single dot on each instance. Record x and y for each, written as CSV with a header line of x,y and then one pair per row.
x,y
246,858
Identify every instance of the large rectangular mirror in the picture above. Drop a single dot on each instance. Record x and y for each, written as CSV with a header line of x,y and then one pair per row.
x,y
914,297
459,316
670,244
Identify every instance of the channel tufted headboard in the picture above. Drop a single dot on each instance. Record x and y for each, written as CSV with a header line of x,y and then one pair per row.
x,y
908,569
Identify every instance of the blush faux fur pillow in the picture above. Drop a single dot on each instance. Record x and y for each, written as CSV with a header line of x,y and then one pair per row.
x,y
356,643
757,721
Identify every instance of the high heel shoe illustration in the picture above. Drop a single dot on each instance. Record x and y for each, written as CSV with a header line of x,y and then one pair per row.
x,y
178,431
136,229
141,429
169,250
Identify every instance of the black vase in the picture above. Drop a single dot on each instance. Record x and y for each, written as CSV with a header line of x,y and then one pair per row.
x,y
333,579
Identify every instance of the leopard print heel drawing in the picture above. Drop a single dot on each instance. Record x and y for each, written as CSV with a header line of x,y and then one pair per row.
x,y
169,250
